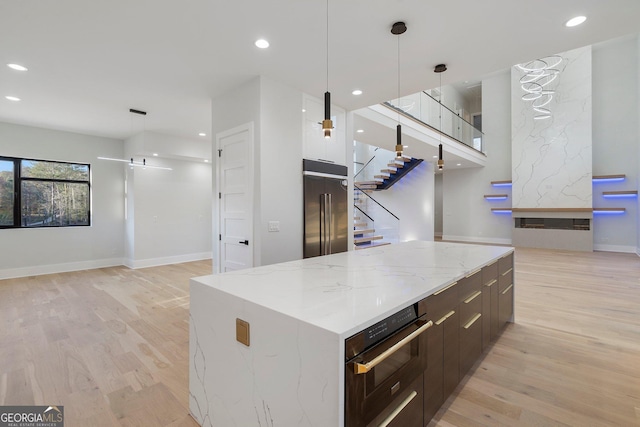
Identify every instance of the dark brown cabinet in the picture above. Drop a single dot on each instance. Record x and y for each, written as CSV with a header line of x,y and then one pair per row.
x,y
490,326
442,374
505,290
467,316
470,308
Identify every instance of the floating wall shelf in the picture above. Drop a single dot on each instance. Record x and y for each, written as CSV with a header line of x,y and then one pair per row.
x,y
608,178
609,210
496,196
501,183
501,210
621,194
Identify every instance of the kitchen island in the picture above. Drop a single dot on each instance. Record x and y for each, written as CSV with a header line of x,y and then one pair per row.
x,y
267,345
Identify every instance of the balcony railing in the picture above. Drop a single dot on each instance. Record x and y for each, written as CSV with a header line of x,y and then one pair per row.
x,y
424,108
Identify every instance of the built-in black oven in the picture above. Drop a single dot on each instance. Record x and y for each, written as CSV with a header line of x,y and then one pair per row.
x,y
384,368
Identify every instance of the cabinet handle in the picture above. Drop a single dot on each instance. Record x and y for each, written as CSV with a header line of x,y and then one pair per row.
x,y
473,272
445,317
444,289
472,321
399,409
507,290
472,297
491,283
363,368
507,272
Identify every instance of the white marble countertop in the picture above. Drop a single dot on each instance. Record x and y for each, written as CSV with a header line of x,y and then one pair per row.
x,y
346,292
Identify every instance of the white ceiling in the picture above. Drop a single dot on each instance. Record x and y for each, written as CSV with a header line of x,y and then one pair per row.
x,y
90,61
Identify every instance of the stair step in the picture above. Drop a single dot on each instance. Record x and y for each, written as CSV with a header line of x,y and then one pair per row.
x,y
372,245
396,165
361,183
368,186
383,176
403,159
360,224
357,218
389,171
363,230
361,240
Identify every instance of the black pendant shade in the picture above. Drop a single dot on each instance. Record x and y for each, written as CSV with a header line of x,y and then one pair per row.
x,y
327,124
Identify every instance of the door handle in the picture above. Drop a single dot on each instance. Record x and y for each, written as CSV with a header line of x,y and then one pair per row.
x,y
363,368
244,242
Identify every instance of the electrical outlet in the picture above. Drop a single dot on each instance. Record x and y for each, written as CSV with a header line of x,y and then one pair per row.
x,y
274,226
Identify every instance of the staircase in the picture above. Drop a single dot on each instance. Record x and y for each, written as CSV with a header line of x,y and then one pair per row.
x,y
396,169
364,230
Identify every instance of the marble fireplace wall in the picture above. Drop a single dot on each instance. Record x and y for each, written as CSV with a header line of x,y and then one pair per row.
x,y
552,158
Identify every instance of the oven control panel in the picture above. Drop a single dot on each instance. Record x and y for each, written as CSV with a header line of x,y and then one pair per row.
x,y
386,327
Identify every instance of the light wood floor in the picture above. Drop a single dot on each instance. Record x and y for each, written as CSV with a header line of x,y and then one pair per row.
x,y
111,345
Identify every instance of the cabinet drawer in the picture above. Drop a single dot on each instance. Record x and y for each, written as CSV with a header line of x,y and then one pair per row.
x,y
442,302
470,343
406,410
490,272
505,305
469,307
505,263
505,279
470,284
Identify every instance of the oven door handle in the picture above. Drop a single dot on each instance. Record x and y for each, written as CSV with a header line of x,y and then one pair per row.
x,y
363,368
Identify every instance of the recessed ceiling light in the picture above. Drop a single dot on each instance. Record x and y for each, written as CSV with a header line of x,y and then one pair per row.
x,y
202,134
360,130
575,21
155,154
357,92
458,164
12,98
17,67
304,111
435,157
206,160
405,146
262,43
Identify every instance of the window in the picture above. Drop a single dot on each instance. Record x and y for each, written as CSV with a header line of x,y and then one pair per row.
x,y
41,193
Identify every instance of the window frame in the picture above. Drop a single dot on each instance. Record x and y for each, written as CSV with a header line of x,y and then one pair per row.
x,y
18,179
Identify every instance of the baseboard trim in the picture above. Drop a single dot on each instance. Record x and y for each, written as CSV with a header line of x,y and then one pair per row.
x,y
489,240
438,233
154,262
616,248
39,270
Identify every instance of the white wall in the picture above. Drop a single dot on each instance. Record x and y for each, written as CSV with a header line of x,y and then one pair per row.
x,y
411,199
280,181
637,118
47,250
467,215
172,213
168,212
616,140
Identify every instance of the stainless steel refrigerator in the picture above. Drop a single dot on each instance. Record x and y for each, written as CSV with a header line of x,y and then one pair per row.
x,y
325,208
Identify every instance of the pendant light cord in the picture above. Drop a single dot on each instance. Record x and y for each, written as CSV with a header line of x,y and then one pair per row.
x,y
327,45
399,106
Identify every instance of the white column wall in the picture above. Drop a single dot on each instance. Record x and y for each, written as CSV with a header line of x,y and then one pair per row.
x,y
466,215
615,140
281,193
551,159
27,252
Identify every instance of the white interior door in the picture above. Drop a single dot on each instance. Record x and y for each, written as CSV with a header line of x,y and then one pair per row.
x,y
235,198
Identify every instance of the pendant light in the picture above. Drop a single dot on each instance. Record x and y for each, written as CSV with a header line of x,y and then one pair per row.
x,y
440,68
397,29
327,124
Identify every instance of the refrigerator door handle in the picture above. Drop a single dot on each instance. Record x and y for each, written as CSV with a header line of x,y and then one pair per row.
x,y
329,228
323,223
